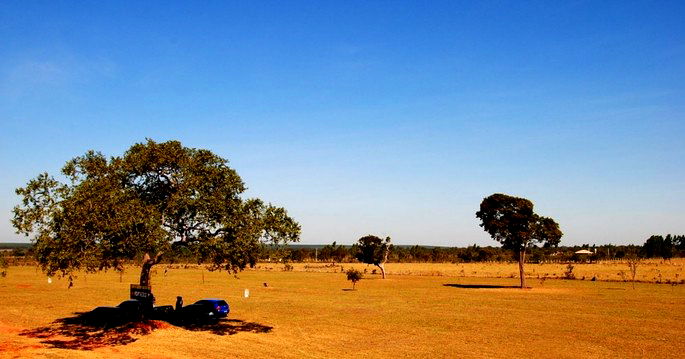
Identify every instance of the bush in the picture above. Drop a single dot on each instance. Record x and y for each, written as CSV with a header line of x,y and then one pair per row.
x,y
568,274
354,276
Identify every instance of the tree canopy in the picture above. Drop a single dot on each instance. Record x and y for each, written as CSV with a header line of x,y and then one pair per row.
x,y
512,222
154,197
354,276
373,250
658,246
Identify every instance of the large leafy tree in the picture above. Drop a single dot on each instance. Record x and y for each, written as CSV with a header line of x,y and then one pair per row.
x,y
512,222
373,250
155,197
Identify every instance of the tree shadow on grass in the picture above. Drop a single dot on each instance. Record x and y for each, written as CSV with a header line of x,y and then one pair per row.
x,y
484,286
85,332
228,327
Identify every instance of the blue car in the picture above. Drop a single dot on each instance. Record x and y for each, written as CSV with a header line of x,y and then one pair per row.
x,y
206,309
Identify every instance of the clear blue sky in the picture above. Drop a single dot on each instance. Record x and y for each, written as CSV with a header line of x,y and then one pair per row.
x,y
391,118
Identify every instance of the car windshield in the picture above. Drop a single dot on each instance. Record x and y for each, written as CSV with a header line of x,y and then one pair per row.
x,y
213,302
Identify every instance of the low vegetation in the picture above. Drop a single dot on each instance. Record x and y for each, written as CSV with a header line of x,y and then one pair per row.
x,y
354,276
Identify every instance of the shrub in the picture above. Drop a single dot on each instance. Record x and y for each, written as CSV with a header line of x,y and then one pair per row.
x,y
633,263
4,264
354,276
568,273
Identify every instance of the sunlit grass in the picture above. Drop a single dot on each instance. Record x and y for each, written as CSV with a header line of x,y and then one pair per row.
x,y
408,315
654,271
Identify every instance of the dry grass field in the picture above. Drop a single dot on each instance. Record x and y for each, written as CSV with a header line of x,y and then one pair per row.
x,y
651,271
421,310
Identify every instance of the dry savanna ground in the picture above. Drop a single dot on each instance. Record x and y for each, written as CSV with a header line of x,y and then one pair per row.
x,y
652,270
421,310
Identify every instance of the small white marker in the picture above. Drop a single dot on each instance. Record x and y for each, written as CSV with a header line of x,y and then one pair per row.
x,y
246,293
49,280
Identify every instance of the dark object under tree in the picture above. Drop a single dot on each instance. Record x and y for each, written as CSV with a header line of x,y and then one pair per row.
x,y
512,222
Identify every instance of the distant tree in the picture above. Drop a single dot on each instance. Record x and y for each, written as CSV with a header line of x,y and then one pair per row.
x,y
633,263
333,252
18,252
300,255
658,246
679,242
354,276
153,199
512,222
419,254
3,264
373,250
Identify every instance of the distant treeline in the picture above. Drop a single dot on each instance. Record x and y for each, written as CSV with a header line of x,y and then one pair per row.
x,y
656,246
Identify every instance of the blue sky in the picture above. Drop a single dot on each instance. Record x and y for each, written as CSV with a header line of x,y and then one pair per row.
x,y
391,118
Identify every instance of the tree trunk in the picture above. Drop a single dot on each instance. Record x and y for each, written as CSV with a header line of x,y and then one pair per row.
x,y
382,267
522,272
148,262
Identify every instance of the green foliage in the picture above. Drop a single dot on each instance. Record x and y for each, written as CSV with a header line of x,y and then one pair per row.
x,y
372,250
512,222
537,253
153,199
334,252
354,276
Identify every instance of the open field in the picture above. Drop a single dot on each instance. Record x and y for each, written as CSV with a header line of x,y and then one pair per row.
x,y
651,270
312,314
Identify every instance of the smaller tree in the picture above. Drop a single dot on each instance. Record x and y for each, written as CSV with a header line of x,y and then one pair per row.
x,y
633,263
354,276
3,265
373,250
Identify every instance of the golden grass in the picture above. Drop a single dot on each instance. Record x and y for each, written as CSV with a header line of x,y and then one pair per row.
x,y
312,315
652,271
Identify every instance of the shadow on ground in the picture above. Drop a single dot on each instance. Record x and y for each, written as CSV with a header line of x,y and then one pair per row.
x,y
229,327
482,286
84,332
